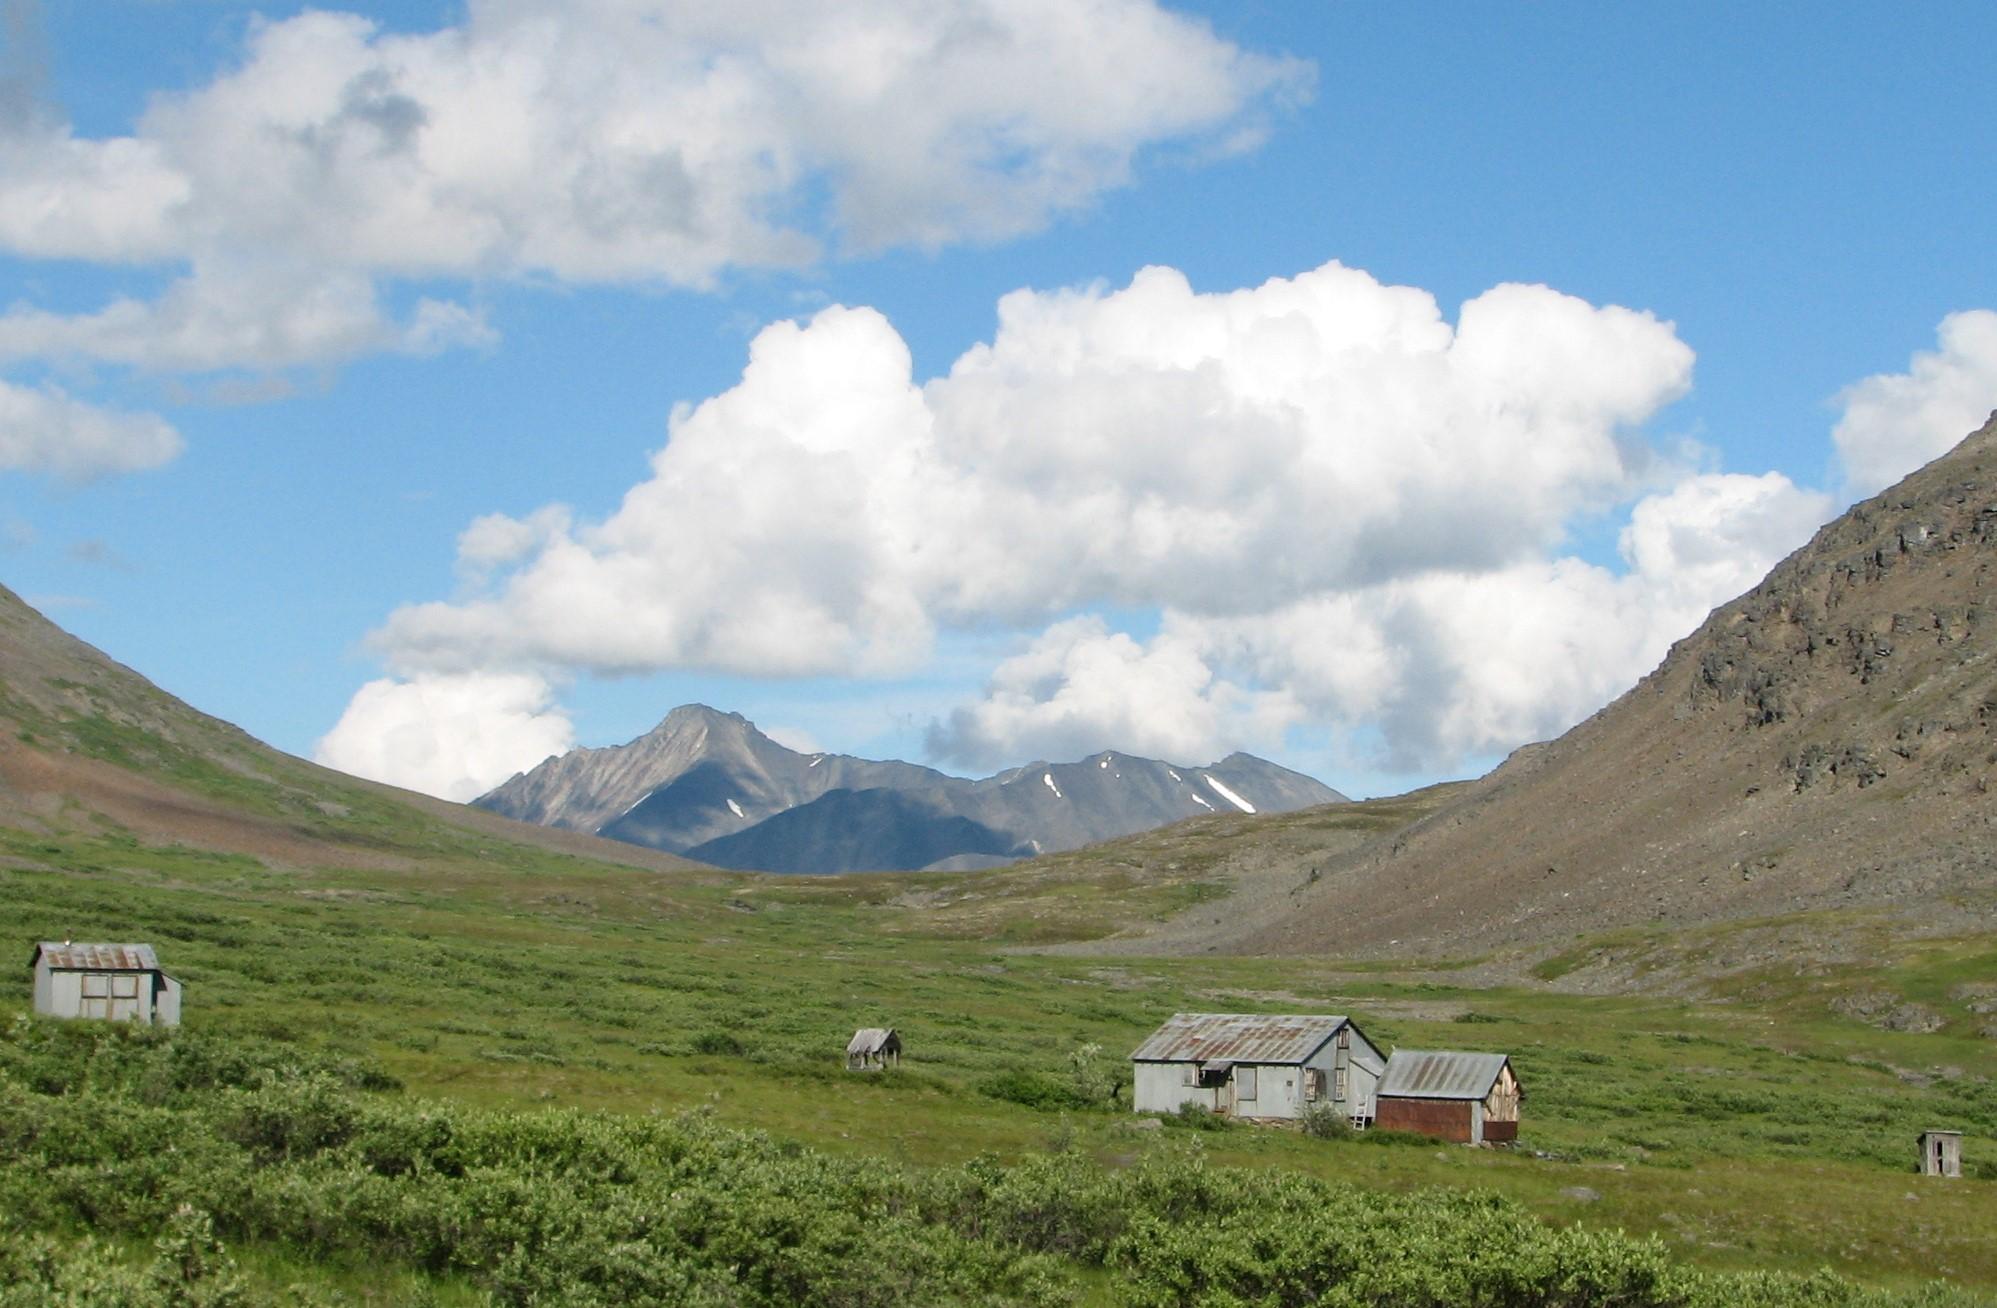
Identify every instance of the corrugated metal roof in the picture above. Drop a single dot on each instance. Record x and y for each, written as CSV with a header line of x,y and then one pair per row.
x,y
72,957
1425,1074
1237,1037
870,1039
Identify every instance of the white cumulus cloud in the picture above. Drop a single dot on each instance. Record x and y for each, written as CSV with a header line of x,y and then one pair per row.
x,y
1441,667
43,429
1895,422
451,736
1258,465
1338,508
1080,687
234,313
595,141
337,164
1212,453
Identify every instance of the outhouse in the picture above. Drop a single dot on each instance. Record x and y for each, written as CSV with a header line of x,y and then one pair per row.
x,y
1469,1098
116,983
1259,1066
872,1049
1941,1153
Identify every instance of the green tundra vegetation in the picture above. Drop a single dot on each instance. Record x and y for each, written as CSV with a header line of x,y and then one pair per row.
x,y
475,1072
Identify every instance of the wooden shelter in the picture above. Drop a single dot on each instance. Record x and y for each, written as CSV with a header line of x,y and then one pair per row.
x,y
1941,1153
1258,1066
1469,1098
873,1049
113,983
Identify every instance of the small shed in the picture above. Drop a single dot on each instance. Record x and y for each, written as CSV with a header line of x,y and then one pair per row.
x,y
1258,1066
1469,1098
872,1049
1941,1153
115,983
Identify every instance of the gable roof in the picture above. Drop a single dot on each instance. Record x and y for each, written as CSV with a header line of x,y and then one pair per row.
x,y
871,1040
1427,1074
1238,1038
68,956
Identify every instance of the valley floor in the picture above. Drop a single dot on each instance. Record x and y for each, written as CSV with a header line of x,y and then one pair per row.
x,y
1763,1125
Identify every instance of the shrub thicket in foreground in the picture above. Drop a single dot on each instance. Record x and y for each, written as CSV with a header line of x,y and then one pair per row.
x,y
138,1134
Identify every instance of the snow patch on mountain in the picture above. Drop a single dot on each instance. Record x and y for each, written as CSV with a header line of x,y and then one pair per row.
x,y
1228,795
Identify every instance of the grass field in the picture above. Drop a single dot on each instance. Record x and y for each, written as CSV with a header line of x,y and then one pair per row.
x,y
1753,1129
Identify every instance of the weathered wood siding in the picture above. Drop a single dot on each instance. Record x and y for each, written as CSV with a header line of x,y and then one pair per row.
x,y
167,1013
44,987
154,997
1445,1119
65,995
1279,1091
1501,1109
1161,1088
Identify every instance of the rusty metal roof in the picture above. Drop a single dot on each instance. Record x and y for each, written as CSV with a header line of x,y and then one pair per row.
x,y
1422,1074
1238,1038
67,956
871,1040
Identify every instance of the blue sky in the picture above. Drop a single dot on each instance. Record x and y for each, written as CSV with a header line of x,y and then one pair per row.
x,y
295,300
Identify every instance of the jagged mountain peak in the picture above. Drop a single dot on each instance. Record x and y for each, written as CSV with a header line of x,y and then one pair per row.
x,y
712,785
699,716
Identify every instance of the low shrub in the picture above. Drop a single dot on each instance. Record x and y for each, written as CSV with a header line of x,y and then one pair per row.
x,y
718,1042
1196,1117
1323,1121
564,1208
1032,1090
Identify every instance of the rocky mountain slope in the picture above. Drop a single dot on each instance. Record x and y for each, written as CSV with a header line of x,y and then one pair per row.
x,y
709,785
90,747
1827,740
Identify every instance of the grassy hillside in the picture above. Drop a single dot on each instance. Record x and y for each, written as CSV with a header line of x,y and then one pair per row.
x,y
1771,1135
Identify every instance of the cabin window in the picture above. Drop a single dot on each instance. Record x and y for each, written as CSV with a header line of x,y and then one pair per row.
x,y
96,987
1188,1074
124,987
1344,1038
1313,1083
1338,1083
1244,1083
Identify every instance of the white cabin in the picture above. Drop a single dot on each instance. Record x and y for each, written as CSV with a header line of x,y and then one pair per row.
x,y
1258,1066
113,983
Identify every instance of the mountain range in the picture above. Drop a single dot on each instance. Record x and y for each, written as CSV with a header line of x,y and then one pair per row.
x,y
710,786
